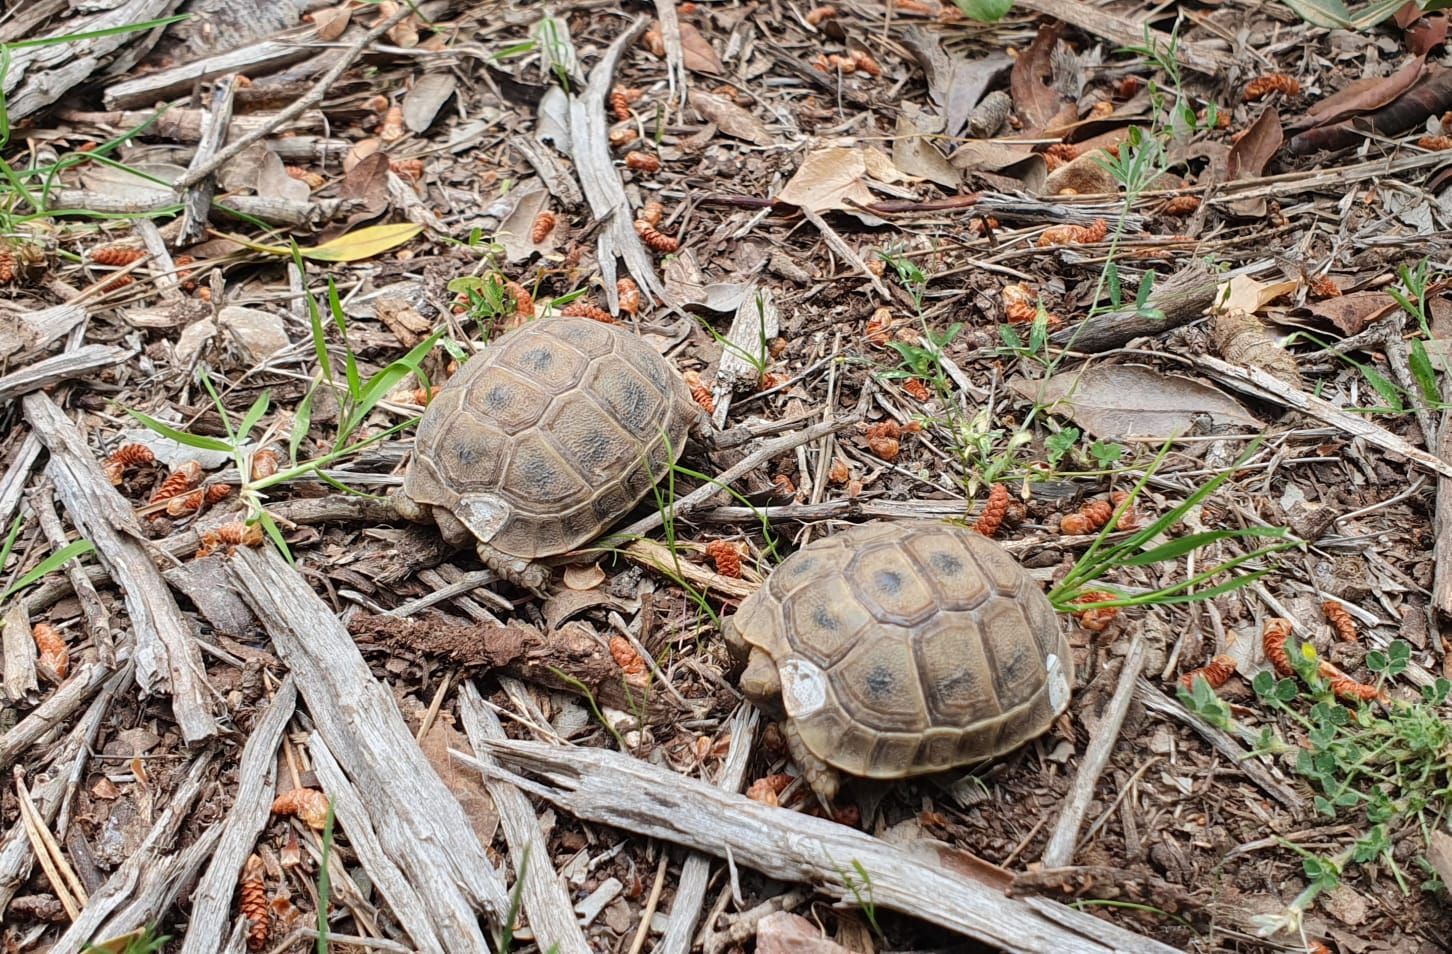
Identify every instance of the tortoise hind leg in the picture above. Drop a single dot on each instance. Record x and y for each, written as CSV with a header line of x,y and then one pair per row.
x,y
517,570
819,775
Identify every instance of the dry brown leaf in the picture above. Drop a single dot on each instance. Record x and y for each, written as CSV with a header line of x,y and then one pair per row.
x,y
697,53
428,95
361,150
1352,313
1425,34
1243,293
837,178
516,231
331,23
1037,103
466,786
1248,158
585,577
1129,402
1010,159
914,151
1361,96
367,181
786,933
730,118
1439,854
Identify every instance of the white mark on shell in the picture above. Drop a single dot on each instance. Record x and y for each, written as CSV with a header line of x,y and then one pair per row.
x,y
803,687
1058,684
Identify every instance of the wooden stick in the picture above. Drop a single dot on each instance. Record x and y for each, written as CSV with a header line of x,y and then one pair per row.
x,y
1060,850
623,792
546,901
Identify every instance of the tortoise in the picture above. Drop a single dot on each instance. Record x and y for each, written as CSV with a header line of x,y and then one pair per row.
x,y
543,440
901,649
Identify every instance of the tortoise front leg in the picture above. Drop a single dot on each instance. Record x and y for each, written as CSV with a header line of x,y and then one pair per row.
x,y
823,779
517,570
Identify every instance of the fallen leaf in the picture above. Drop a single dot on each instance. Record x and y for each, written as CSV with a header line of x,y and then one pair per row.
x,y
1362,96
1439,854
837,177
1426,35
1084,174
422,103
368,181
1010,159
331,23
1243,293
696,52
139,181
515,232
353,247
730,118
585,577
1132,403
467,787
783,932
361,150
1248,158
686,284
955,83
1036,102
1352,313
271,180
914,152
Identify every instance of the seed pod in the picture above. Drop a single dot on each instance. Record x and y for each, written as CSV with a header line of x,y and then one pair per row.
x,y
125,457
866,63
786,491
422,396
623,135
879,327
1180,205
883,440
118,283
307,804
989,116
264,463
1059,153
726,557
620,104
1128,520
1323,287
523,300
699,392
116,255
768,789
1273,641
581,309
312,179
407,168
179,481
1020,303
392,128
253,904
7,265
1264,85
917,389
1435,143
816,15
1096,620
1215,673
657,240
642,162
230,535
629,295
652,213
840,473
1074,234
54,654
653,42
186,503
1089,518
1340,620
994,510
544,224
626,657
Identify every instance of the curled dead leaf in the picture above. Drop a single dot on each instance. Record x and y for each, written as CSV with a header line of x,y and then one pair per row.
x,y
584,577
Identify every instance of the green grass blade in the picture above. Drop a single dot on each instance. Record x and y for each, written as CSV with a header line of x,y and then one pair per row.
x,y
50,564
141,27
199,441
386,380
253,415
274,533
1194,541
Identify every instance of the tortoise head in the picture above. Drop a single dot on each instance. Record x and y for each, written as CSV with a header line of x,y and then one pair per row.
x,y
759,681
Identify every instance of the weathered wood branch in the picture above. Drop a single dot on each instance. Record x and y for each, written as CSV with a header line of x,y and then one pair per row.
x,y
72,364
167,656
422,827
257,784
626,793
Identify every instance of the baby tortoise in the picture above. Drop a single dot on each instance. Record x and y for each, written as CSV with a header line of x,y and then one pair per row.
x,y
900,649
543,440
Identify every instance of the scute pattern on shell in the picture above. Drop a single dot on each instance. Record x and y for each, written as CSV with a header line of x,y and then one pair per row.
x,y
568,421
926,647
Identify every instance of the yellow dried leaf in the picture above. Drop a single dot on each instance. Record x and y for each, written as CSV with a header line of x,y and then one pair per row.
x,y
352,247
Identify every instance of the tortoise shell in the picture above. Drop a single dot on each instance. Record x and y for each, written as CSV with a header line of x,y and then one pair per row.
x,y
908,648
550,435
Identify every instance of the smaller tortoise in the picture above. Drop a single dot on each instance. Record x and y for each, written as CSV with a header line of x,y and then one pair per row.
x,y
900,649
543,440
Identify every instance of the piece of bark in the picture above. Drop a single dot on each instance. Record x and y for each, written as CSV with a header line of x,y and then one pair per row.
x,y
29,333
180,124
166,653
632,795
352,814
255,59
79,363
696,869
1442,548
84,680
1060,850
418,821
12,486
197,198
98,618
211,901
1183,297
1125,31
37,76
50,795
743,352
1265,385
547,901
599,180
272,211
20,652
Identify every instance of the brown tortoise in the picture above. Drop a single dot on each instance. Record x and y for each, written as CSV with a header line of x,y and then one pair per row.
x,y
543,440
899,649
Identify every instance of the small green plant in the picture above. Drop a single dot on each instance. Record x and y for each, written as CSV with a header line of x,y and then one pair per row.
x,y
756,357
505,942
860,886
325,883
58,559
143,940
984,11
